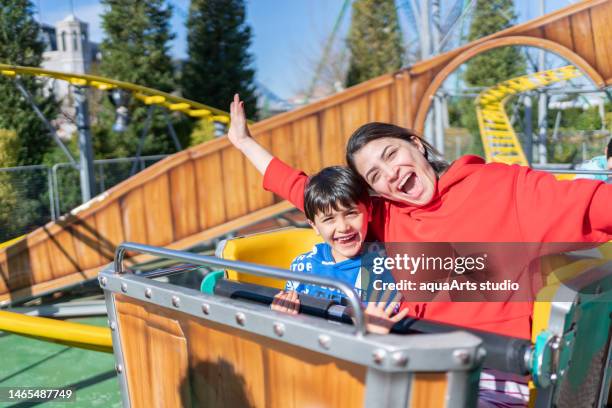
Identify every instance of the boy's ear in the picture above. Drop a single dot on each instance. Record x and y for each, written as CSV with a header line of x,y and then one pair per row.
x,y
314,227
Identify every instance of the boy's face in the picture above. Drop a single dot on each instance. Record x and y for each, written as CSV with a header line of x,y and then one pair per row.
x,y
344,229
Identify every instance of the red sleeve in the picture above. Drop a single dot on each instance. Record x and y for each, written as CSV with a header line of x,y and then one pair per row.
x,y
287,182
550,210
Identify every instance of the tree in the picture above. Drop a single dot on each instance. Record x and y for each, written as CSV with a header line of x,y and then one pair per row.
x,y
375,40
20,45
491,67
24,139
219,62
20,207
499,64
136,50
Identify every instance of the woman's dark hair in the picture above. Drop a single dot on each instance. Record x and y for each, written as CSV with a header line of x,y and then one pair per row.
x,y
609,149
377,130
331,188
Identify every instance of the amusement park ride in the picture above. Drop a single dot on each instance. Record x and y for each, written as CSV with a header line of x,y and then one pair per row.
x,y
220,346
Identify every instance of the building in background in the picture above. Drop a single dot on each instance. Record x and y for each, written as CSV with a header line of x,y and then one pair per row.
x,y
67,49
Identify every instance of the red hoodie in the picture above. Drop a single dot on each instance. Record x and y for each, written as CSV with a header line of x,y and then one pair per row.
x,y
478,202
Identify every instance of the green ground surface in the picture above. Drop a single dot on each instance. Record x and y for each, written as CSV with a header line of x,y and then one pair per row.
x,y
32,363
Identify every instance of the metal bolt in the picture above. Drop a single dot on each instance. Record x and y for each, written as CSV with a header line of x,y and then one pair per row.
x,y
176,302
205,308
482,354
324,341
113,326
279,329
553,377
555,345
119,368
124,287
103,280
148,293
379,356
462,356
399,359
240,318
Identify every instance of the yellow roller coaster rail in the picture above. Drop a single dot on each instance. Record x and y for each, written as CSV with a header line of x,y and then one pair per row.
x,y
147,95
498,137
57,331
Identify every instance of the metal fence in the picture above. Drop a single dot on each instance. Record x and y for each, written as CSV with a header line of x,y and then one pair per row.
x,y
31,196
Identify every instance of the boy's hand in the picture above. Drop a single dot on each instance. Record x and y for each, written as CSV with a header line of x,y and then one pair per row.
x,y
286,302
379,315
238,131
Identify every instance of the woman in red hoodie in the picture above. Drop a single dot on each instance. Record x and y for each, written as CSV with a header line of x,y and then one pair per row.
x,y
422,199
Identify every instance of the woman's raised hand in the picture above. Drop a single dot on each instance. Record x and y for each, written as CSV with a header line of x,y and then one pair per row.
x,y
240,137
238,131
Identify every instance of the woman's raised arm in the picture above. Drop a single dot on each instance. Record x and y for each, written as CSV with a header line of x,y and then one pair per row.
x,y
241,138
279,177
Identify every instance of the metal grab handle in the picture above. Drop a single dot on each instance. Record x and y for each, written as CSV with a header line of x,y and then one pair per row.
x,y
255,269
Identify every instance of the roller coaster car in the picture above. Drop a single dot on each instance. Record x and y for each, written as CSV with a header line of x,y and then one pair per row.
x,y
225,347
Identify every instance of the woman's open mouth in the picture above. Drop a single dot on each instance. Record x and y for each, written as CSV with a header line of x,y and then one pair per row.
x,y
411,185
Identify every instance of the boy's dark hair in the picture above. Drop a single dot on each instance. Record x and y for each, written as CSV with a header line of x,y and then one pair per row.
x,y
331,188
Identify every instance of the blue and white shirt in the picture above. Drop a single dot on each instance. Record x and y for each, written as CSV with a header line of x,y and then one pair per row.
x,y
320,261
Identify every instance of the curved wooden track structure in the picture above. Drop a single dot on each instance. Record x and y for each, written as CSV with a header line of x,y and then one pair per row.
x,y
210,190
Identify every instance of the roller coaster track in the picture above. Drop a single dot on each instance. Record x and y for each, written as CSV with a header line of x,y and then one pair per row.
x,y
148,96
500,142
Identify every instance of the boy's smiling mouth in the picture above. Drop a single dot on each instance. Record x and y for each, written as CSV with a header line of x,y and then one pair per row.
x,y
347,239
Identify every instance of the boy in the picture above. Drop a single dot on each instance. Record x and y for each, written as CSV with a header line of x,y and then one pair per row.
x,y
336,204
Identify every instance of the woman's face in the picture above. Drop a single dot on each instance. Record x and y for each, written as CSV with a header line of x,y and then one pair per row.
x,y
397,170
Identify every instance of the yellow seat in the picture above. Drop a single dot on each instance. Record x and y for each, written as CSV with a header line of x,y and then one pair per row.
x,y
274,248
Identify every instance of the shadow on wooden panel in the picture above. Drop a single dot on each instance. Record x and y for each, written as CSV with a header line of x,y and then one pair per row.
x,y
215,384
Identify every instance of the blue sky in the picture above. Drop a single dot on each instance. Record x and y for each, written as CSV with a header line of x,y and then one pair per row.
x,y
287,34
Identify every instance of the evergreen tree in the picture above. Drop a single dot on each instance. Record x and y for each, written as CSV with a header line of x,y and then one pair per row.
x,y
219,63
136,47
499,64
136,50
375,40
24,138
491,67
20,45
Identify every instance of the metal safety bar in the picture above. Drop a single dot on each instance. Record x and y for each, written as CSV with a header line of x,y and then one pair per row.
x,y
255,269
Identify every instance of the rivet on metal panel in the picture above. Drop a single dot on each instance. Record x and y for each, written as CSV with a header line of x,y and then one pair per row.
x,y
324,341
379,356
103,280
205,308
124,287
113,326
279,329
240,318
176,302
462,356
482,353
553,377
399,359
148,293
119,368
